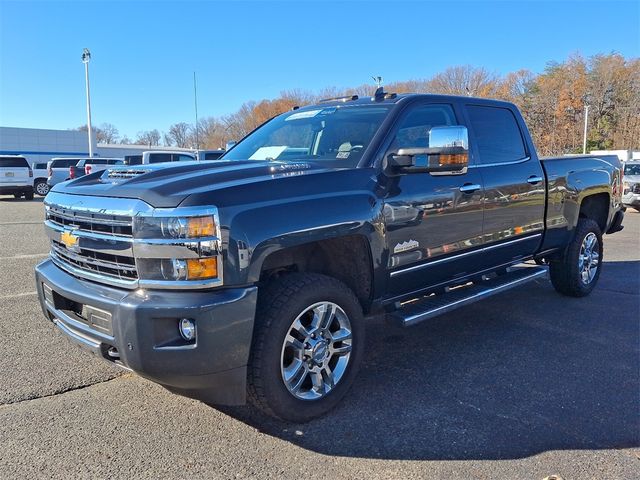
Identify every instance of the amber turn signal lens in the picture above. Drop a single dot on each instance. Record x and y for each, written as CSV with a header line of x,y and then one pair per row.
x,y
454,159
200,227
202,268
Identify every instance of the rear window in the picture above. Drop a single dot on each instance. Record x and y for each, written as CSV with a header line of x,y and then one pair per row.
x,y
133,160
96,161
66,163
159,157
497,134
40,166
183,158
213,156
13,162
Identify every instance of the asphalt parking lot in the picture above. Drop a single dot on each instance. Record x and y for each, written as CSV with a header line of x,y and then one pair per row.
x,y
525,385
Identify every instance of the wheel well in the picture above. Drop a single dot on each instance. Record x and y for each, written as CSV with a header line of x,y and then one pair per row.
x,y
346,258
596,207
36,180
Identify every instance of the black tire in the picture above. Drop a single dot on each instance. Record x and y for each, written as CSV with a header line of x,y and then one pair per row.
x,y
564,270
41,188
280,303
17,195
28,195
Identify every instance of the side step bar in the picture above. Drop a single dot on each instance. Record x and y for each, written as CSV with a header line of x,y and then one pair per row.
x,y
435,305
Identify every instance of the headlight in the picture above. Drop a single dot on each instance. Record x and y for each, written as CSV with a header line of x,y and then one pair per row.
x,y
178,269
174,227
178,245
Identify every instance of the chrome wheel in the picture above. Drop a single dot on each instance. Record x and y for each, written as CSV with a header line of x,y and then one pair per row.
x,y
316,351
42,188
589,258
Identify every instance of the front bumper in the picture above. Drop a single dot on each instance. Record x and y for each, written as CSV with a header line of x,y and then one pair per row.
x,y
138,331
11,189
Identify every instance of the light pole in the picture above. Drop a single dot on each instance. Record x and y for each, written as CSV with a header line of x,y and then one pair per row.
x,y
86,56
586,119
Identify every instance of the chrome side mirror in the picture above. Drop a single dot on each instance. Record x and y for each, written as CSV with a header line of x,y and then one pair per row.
x,y
448,153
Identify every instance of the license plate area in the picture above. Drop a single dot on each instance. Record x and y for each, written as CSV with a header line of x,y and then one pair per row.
x,y
93,317
9,174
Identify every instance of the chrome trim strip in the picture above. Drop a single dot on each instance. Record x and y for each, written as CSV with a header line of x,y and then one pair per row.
x,y
88,275
455,257
76,336
86,234
133,284
497,164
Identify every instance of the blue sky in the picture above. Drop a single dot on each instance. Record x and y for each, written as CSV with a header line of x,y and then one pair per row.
x,y
144,53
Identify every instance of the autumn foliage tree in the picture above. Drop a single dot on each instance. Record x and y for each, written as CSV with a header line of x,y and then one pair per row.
x,y
552,102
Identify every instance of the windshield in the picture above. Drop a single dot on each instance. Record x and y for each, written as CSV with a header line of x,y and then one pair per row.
x,y
335,136
632,169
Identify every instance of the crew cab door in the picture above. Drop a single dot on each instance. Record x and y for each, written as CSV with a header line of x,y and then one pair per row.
x,y
433,220
514,184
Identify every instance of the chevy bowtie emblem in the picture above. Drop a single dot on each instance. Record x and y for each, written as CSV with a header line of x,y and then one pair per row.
x,y
69,239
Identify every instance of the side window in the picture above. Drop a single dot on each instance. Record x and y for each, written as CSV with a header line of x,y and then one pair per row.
x,y
159,157
182,158
413,131
496,134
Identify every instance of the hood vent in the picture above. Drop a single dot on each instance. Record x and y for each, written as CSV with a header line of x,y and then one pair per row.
x,y
126,172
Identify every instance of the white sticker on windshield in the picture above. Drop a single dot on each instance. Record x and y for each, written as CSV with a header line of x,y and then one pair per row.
x,y
305,114
264,153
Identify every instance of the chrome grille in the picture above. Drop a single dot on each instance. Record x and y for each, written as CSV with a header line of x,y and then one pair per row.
x,y
123,268
103,249
120,225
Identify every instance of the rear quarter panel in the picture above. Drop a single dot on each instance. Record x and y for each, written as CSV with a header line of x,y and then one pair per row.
x,y
569,181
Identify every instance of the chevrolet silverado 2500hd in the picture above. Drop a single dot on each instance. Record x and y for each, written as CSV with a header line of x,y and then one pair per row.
x,y
252,276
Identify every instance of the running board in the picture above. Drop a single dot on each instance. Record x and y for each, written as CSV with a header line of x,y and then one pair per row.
x,y
435,305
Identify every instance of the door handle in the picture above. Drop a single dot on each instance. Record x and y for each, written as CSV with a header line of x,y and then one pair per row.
x,y
469,187
533,179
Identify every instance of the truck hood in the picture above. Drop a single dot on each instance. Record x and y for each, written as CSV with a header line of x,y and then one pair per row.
x,y
166,185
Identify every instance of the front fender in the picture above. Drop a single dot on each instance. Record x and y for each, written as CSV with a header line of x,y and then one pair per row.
x,y
256,233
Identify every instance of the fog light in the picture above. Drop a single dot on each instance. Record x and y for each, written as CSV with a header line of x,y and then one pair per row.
x,y
187,329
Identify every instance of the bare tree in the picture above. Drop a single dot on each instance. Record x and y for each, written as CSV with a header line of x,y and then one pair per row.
x,y
149,137
180,134
464,80
105,133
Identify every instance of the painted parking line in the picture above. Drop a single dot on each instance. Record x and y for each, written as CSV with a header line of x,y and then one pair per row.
x,y
21,223
31,255
15,295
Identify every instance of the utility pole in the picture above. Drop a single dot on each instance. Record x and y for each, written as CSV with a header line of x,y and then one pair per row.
x,y
195,99
86,56
586,119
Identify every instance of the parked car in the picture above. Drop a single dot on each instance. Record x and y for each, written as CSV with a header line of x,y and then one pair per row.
x,y
85,166
252,277
58,169
16,177
40,174
210,154
631,184
157,156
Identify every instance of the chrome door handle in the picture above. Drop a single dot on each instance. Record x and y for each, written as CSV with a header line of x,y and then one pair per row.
x,y
533,179
469,187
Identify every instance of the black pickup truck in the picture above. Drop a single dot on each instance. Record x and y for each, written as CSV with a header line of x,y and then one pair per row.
x,y
252,276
